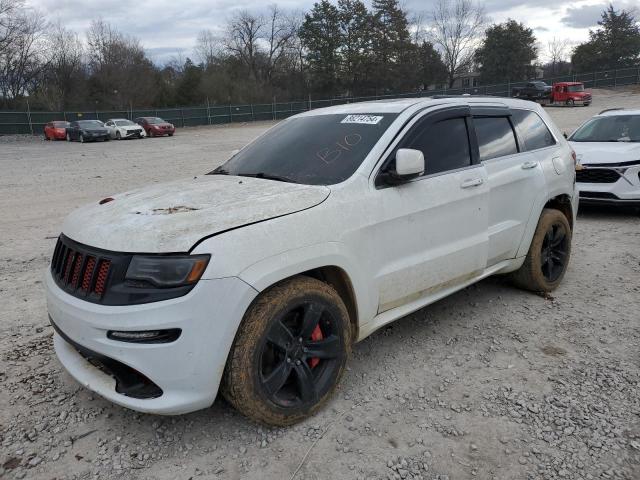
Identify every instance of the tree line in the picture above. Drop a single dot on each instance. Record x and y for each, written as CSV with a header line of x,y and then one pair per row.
x,y
340,48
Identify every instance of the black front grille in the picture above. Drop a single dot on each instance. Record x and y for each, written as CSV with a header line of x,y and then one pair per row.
x,y
99,276
606,195
79,271
597,175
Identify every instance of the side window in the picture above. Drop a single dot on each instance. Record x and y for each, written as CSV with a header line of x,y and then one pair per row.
x,y
495,137
533,129
445,145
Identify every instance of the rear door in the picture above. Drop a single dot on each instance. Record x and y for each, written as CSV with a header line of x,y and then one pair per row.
x,y
515,178
431,233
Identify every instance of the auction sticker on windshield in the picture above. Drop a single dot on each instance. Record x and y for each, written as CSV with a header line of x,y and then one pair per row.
x,y
362,119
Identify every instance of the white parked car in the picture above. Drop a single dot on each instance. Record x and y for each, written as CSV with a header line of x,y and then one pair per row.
x,y
258,277
608,153
120,128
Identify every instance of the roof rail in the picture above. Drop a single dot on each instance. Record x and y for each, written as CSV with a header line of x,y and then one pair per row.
x,y
610,110
464,95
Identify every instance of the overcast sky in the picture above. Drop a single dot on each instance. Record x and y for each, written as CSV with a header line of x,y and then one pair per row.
x,y
169,28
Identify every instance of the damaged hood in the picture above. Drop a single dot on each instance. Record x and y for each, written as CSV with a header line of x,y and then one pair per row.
x,y
172,217
606,152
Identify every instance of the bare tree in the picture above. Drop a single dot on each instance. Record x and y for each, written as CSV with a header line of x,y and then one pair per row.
x,y
279,37
23,51
62,78
456,27
208,48
121,73
417,27
243,36
558,50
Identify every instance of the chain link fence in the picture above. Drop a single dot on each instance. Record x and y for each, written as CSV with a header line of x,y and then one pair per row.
x,y
13,122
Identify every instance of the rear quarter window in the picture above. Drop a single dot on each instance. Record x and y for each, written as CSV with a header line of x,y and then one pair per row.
x,y
532,129
495,137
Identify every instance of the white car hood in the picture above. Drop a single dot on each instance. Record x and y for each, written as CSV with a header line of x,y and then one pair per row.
x,y
606,152
172,217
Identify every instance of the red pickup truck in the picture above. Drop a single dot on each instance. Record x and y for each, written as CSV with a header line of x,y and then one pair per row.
x,y
570,93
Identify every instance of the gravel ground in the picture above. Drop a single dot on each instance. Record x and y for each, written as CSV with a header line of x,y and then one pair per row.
x,y
491,382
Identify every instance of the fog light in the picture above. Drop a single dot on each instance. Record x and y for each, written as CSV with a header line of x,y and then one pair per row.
x,y
146,336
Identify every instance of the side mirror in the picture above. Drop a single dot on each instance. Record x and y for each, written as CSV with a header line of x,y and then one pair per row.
x,y
409,165
564,134
234,153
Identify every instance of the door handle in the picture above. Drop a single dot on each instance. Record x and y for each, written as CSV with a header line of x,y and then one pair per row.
x,y
475,182
529,165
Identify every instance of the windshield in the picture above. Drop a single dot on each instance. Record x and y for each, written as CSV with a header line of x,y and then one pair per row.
x,y
90,123
313,150
154,120
618,128
575,88
123,123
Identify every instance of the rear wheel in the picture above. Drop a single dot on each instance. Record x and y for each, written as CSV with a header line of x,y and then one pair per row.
x,y
549,253
150,133
68,137
289,353
81,138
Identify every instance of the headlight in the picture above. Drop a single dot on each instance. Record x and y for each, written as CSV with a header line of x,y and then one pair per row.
x,y
166,271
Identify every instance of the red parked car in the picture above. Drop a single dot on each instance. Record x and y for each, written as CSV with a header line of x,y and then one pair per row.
x,y
56,130
570,93
155,126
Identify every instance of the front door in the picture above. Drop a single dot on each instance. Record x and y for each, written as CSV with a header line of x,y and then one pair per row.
x,y
432,232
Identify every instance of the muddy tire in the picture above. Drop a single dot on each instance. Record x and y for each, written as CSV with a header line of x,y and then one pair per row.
x,y
549,254
289,352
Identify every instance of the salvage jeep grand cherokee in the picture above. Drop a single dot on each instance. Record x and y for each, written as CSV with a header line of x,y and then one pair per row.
x,y
259,277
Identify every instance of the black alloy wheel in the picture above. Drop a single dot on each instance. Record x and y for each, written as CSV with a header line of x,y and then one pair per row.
x,y
554,252
299,358
289,353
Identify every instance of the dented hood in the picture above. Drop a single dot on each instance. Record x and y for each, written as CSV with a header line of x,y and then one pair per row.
x,y
172,217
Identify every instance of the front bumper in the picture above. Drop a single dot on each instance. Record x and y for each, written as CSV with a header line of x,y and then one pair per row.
x,y
624,191
187,371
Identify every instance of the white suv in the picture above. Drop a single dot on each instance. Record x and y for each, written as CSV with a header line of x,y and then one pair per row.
x,y
258,277
608,153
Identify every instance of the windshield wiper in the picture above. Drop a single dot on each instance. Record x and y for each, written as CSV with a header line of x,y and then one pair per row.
x,y
267,176
218,171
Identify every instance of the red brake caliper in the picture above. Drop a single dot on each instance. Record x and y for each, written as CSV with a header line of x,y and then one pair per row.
x,y
315,336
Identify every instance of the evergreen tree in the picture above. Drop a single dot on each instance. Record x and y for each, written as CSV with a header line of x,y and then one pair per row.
x,y
615,44
188,89
320,35
433,71
356,50
507,53
392,47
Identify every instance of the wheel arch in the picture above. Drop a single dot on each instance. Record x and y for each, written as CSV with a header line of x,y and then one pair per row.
x,y
563,204
326,263
337,278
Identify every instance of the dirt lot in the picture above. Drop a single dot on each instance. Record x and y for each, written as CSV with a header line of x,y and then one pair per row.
x,y
489,383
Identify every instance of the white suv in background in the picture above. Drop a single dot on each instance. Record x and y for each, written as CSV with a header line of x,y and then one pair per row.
x,y
608,156
258,277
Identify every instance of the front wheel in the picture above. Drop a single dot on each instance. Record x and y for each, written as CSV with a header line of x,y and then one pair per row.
x,y
68,137
118,137
289,353
570,102
81,138
549,253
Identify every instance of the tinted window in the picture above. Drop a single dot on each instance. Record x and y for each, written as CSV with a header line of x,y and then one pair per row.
x,y
445,145
495,137
533,129
314,150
